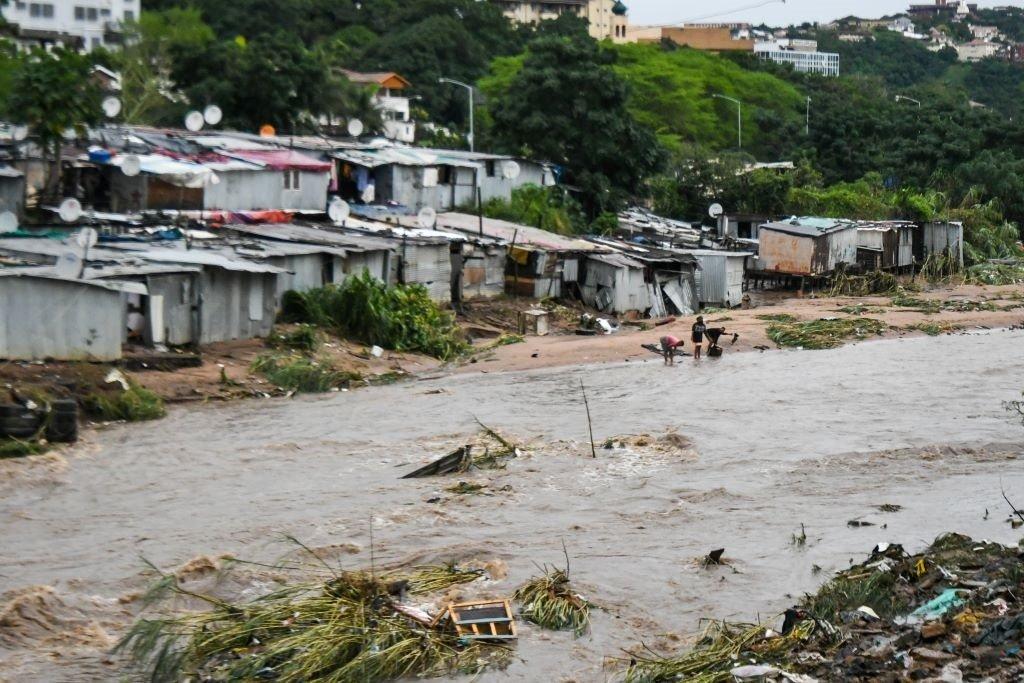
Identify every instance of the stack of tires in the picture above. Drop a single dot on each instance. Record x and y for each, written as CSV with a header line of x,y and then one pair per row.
x,y
63,424
18,422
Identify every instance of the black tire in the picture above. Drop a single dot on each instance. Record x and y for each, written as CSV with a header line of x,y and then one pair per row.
x,y
64,407
62,430
20,427
10,410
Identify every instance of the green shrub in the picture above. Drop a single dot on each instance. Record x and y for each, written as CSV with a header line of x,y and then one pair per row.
x,y
302,374
304,338
133,405
402,317
16,448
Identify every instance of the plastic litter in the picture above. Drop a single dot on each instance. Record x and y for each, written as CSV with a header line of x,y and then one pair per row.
x,y
934,609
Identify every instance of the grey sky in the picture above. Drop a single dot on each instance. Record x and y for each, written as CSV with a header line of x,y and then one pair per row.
x,y
772,13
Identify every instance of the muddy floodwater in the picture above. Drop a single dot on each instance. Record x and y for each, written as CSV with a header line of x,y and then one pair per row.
x,y
778,439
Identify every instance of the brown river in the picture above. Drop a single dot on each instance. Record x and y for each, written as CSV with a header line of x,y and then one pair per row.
x,y
779,439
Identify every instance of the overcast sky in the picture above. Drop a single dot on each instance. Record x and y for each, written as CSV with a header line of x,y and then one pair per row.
x,y
772,13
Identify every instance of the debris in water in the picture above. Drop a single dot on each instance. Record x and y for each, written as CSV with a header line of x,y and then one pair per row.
x,y
550,602
889,507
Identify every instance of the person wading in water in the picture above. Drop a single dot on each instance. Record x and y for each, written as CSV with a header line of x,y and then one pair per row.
x,y
699,328
669,344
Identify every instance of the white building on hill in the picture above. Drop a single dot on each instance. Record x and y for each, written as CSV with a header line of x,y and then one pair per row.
x,y
83,24
802,54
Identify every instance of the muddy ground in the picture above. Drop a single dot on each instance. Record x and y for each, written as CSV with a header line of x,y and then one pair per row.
x,y
765,442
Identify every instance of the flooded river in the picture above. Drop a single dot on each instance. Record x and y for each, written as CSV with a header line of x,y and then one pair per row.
x,y
779,439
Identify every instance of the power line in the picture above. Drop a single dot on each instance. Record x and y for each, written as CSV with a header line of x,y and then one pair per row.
x,y
757,5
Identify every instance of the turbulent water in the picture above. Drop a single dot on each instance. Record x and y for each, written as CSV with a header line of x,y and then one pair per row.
x,y
779,439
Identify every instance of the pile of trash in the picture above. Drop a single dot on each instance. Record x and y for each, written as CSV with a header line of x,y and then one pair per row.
x,y
951,613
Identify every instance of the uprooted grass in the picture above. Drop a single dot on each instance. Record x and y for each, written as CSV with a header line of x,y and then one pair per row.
x,y
996,274
303,338
824,334
550,602
777,317
16,448
875,282
403,317
935,328
295,372
344,630
717,653
134,404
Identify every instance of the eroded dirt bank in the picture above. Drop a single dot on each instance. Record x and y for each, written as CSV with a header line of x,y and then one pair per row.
x,y
778,439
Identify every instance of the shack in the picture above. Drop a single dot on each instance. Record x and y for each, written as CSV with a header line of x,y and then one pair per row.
x,y
12,191
885,245
939,237
46,316
721,276
806,247
360,253
540,264
670,275
615,283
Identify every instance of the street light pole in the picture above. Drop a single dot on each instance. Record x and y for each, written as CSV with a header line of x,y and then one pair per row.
x,y
739,117
471,122
807,129
900,98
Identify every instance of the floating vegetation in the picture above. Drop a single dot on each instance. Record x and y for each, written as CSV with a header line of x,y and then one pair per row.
x,y
824,334
348,629
466,488
295,372
134,404
550,602
777,317
934,329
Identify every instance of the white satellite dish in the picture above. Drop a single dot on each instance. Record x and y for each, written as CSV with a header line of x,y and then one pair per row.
x,y
426,218
355,128
111,107
87,238
510,170
19,133
194,121
131,165
715,210
70,210
8,222
213,115
338,210
69,264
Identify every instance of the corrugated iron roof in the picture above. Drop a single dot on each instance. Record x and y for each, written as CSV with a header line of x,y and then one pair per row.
x,y
524,235
810,226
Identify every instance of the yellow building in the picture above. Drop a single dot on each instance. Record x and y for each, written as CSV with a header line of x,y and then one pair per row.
x,y
607,18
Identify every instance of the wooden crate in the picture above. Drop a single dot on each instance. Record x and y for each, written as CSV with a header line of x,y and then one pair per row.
x,y
490,620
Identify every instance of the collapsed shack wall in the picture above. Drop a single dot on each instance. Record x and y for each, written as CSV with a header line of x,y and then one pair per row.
x,y
59,319
479,270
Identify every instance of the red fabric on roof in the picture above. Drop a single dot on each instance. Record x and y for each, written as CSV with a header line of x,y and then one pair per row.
x,y
282,159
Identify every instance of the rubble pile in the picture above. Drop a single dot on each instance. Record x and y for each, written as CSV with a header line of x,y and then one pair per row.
x,y
951,613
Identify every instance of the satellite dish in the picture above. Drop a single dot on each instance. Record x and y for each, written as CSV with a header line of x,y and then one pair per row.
x,y
194,121
214,179
69,264
87,238
70,210
355,128
111,107
8,222
426,218
131,165
510,170
19,133
213,115
338,210
715,210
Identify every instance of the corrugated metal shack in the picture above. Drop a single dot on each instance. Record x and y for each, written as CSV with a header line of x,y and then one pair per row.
x,y
49,317
721,276
807,246
884,245
361,253
12,191
540,264
670,276
615,283
665,232
939,237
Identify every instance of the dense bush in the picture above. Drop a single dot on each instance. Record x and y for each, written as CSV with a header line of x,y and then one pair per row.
x,y
402,317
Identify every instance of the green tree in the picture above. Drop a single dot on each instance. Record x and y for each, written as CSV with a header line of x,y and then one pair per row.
x,y
52,92
568,106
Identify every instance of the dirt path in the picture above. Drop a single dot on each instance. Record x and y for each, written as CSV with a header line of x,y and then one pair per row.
x,y
565,350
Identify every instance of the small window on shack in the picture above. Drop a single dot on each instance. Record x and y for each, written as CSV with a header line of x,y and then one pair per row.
x,y
444,175
490,168
292,180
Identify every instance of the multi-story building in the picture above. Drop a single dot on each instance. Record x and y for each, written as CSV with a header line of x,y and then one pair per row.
x,y
390,98
83,24
707,37
802,54
607,18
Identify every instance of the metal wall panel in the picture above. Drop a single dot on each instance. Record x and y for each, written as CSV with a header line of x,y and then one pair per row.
x,y
63,320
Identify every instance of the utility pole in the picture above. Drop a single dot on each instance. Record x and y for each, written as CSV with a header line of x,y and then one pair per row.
x,y
739,117
469,88
807,129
